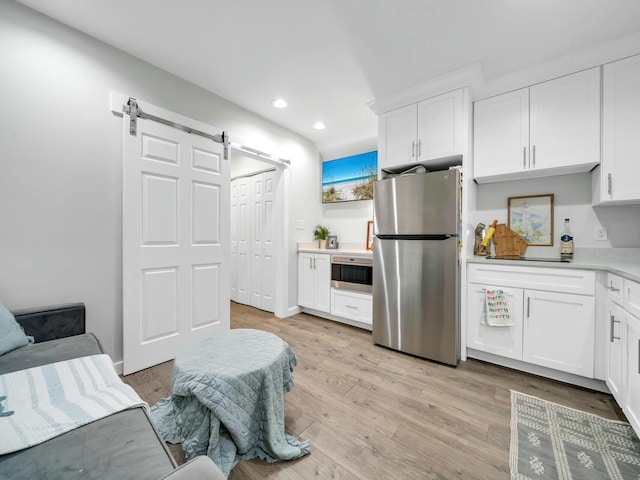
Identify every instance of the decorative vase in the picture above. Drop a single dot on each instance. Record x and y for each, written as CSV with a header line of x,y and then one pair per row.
x,y
323,243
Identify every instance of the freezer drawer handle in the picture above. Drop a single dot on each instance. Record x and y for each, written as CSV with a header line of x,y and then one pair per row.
x,y
528,307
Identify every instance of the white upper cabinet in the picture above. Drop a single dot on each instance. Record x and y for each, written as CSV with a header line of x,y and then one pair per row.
x,y
440,126
617,180
397,136
548,129
501,135
422,131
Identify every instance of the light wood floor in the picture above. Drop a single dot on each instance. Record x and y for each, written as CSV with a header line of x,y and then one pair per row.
x,y
372,413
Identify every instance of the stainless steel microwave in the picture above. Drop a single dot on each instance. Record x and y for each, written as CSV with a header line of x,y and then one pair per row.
x,y
352,273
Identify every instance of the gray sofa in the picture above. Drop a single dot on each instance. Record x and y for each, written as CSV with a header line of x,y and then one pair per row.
x,y
124,445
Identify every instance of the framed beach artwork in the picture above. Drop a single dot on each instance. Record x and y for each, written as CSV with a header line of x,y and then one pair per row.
x,y
531,217
349,178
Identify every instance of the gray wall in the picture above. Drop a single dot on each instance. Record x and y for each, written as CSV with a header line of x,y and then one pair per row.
x,y
60,164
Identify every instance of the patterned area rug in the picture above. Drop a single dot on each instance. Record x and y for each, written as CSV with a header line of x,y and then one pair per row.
x,y
549,441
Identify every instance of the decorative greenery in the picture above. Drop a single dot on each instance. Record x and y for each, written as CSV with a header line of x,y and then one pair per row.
x,y
364,190
321,232
331,195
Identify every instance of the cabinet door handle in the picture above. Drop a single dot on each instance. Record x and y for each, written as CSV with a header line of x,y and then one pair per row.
x,y
524,157
314,264
610,328
310,263
419,147
612,288
609,187
413,149
528,307
534,156
613,320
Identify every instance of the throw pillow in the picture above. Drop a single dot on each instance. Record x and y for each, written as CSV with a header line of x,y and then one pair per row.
x,y
11,334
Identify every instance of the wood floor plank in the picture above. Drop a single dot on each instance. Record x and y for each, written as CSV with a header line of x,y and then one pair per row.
x,y
373,413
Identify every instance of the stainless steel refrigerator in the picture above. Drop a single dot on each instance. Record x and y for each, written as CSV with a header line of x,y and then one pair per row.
x,y
415,266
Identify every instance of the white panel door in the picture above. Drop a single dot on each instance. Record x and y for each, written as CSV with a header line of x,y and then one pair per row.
x,y
269,180
256,213
244,241
176,208
234,240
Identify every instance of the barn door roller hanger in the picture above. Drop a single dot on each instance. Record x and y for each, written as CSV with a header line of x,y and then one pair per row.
x,y
134,111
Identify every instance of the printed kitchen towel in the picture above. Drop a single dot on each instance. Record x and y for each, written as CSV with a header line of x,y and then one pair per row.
x,y
496,310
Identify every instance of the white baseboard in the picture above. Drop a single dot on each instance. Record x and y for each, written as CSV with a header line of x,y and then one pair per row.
x,y
118,367
584,382
329,316
289,312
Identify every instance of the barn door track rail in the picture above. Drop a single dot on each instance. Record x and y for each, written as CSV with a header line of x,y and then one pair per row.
x,y
134,111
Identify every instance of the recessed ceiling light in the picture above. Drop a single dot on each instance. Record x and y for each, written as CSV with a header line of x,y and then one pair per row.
x,y
279,102
319,126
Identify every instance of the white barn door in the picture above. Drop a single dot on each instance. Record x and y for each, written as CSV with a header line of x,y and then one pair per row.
x,y
176,221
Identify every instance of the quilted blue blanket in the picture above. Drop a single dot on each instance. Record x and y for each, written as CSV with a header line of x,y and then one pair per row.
x,y
227,399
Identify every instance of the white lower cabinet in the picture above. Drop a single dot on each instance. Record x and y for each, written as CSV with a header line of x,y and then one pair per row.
x,y
559,331
616,352
504,341
623,354
553,329
314,281
352,305
631,406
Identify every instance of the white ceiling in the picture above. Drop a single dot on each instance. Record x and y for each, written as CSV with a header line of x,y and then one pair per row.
x,y
328,58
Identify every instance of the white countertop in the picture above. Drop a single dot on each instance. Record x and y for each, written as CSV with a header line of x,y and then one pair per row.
x,y
624,261
343,249
337,251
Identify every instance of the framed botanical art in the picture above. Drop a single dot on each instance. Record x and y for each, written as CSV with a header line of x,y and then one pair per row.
x,y
332,242
531,217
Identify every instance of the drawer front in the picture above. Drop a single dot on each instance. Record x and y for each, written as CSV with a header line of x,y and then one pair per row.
x,y
352,305
632,297
615,288
539,278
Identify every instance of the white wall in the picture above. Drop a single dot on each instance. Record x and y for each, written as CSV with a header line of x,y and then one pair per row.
x,y
572,199
60,164
347,220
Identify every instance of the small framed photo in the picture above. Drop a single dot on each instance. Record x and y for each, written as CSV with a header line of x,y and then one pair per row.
x,y
531,217
332,242
370,235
